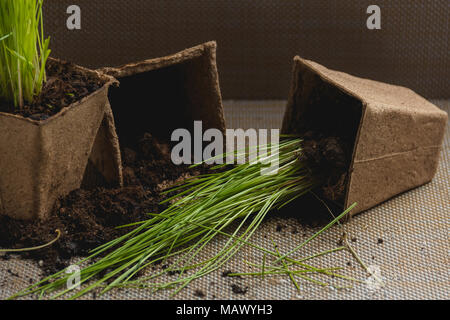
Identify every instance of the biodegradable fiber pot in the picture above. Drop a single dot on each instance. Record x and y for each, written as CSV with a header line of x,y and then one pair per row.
x,y
43,160
396,135
160,95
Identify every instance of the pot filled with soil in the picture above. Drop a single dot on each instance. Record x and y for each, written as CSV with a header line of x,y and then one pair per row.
x,y
51,113
372,140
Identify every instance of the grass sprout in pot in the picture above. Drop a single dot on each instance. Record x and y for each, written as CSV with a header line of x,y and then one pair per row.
x,y
51,113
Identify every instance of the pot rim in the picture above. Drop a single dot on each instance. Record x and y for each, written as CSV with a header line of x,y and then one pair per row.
x,y
157,63
109,80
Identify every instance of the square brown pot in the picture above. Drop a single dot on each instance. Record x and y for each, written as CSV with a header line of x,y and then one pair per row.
x,y
163,94
397,135
43,160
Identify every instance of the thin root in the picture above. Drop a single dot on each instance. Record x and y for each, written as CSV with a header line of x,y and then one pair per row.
x,y
34,248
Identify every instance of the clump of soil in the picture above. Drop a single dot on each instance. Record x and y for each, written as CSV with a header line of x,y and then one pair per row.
x,y
65,85
237,289
329,158
226,273
88,218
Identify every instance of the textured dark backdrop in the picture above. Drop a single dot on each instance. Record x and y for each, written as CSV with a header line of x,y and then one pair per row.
x,y
258,39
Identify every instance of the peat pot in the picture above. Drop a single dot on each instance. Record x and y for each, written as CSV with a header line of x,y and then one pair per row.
x,y
43,160
396,135
160,95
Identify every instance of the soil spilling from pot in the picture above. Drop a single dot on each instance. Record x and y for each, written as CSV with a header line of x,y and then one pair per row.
x,y
88,218
65,85
328,156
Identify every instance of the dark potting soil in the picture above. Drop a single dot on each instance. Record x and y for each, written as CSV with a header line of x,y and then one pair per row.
x,y
329,158
199,293
88,218
65,85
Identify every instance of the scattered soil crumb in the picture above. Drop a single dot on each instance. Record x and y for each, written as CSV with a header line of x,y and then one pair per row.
x,y
14,274
199,293
237,289
173,272
279,228
340,242
226,273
